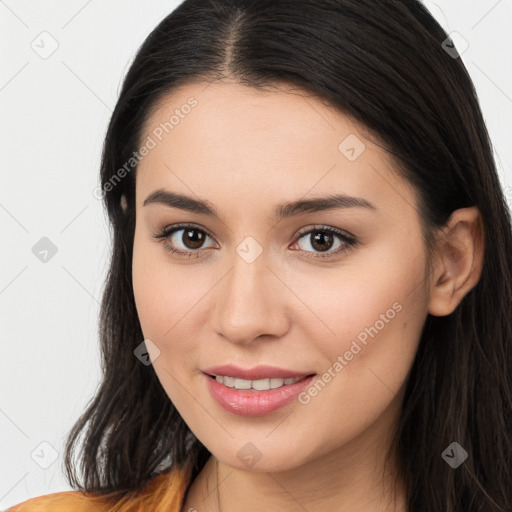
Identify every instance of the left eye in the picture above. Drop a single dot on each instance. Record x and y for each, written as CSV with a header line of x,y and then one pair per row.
x,y
320,237
192,238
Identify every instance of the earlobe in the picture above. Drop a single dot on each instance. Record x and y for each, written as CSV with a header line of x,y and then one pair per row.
x,y
459,261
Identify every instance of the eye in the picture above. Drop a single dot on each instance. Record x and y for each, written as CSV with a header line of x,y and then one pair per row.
x,y
322,238
191,239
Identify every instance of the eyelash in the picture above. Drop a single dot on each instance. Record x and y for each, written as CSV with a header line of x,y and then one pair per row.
x,y
348,241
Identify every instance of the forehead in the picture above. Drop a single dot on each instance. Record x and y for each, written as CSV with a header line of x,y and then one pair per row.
x,y
221,140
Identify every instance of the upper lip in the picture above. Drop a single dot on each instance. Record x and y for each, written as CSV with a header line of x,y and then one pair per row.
x,y
256,373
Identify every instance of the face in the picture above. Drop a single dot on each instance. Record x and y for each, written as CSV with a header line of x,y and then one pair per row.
x,y
337,290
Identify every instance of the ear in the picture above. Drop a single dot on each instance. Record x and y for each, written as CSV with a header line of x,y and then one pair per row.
x,y
458,262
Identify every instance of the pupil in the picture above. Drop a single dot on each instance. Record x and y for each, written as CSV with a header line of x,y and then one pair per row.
x,y
320,238
195,241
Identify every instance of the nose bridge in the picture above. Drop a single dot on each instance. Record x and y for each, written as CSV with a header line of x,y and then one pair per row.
x,y
247,304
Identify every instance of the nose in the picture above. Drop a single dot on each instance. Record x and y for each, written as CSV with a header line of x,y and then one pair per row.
x,y
250,303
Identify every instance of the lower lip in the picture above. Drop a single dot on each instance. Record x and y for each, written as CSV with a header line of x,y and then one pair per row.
x,y
255,403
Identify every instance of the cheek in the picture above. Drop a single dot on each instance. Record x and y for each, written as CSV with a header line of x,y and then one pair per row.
x,y
160,291
165,297
147,289
368,297
374,312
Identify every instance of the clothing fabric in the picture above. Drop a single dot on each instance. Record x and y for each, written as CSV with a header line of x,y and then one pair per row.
x,y
163,493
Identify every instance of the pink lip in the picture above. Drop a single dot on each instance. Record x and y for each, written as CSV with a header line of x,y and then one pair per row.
x,y
256,373
254,403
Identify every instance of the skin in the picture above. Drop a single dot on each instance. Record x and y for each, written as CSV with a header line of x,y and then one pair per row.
x,y
245,151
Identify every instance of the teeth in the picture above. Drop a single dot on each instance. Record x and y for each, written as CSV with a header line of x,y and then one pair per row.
x,y
257,385
242,384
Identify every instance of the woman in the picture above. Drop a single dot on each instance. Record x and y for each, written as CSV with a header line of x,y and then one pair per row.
x,y
308,304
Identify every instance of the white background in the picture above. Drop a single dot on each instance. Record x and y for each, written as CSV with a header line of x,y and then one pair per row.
x,y
54,114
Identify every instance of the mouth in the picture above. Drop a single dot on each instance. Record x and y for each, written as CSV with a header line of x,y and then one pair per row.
x,y
266,384
256,397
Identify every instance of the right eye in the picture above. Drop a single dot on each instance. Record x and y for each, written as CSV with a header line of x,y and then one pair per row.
x,y
189,234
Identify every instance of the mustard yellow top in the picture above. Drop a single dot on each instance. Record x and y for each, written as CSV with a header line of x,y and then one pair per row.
x,y
163,493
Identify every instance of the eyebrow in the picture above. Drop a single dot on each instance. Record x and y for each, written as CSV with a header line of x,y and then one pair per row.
x,y
281,211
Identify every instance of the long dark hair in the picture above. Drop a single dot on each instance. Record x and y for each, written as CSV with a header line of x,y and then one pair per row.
x,y
384,64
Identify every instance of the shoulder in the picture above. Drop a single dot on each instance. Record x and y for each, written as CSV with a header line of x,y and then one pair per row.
x,y
68,501
163,492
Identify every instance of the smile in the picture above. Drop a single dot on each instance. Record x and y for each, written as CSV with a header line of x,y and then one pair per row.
x,y
255,385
